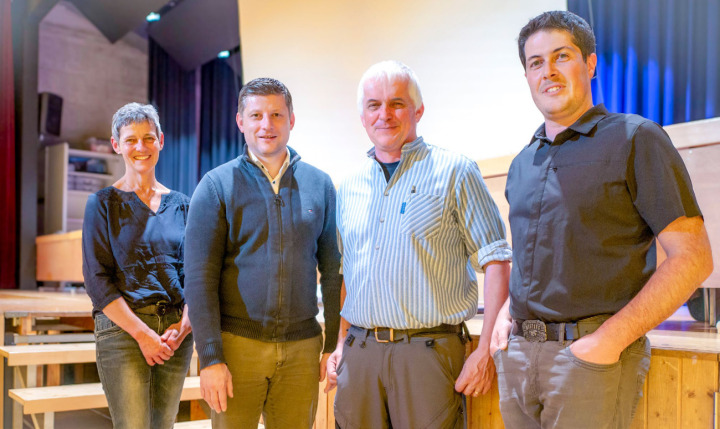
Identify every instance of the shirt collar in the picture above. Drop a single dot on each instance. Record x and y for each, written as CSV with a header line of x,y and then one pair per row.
x,y
259,163
584,125
406,148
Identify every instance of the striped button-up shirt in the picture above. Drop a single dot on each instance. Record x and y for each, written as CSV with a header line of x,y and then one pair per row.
x,y
410,246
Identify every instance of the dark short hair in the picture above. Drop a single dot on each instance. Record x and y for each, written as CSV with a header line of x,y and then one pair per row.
x,y
581,33
264,86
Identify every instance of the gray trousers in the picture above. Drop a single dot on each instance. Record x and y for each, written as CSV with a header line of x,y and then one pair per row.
x,y
543,385
404,384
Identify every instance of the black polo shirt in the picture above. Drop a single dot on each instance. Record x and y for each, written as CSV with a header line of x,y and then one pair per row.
x,y
584,212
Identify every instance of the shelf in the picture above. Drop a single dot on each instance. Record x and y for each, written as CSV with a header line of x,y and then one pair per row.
x,y
74,224
93,175
74,193
91,154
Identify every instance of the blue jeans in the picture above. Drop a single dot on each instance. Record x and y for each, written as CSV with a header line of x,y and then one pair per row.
x,y
139,395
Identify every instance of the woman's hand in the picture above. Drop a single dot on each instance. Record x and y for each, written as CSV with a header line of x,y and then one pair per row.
x,y
153,348
175,334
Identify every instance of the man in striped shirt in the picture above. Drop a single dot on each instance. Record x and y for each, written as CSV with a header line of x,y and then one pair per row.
x,y
412,224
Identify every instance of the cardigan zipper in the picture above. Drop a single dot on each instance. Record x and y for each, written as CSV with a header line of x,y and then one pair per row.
x,y
279,203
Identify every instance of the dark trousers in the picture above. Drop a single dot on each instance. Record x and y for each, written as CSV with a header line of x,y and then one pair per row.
x,y
404,384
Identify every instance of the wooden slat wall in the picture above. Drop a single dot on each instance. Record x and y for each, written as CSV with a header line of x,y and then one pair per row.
x,y
679,392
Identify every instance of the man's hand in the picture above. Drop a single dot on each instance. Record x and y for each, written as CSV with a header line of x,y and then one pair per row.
x,y
501,330
591,348
153,348
477,374
323,365
332,364
216,386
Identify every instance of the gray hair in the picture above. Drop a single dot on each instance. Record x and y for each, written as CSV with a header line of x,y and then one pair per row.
x,y
135,113
391,70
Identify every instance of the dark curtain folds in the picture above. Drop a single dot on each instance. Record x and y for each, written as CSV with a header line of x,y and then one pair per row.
x,y
220,138
197,113
656,58
173,91
8,218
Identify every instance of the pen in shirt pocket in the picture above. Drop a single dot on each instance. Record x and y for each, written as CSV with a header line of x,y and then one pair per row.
x,y
402,207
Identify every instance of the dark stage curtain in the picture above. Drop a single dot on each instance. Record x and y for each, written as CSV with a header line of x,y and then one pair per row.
x,y
8,219
173,91
656,58
220,138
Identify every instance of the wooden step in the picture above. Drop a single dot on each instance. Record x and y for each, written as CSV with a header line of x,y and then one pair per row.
x,y
47,354
195,424
79,396
201,424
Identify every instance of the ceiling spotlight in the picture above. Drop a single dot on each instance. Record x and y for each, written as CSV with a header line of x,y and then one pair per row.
x,y
152,17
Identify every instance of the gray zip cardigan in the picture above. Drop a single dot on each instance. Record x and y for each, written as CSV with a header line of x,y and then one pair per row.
x,y
251,256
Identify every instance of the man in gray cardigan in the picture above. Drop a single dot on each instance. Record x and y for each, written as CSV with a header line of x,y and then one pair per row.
x,y
258,229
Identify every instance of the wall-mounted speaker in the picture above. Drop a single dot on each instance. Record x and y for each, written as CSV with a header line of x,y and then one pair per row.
x,y
50,114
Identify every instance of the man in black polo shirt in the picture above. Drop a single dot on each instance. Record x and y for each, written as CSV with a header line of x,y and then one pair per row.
x,y
588,196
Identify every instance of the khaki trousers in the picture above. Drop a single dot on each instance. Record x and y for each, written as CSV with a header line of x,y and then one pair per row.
x,y
277,380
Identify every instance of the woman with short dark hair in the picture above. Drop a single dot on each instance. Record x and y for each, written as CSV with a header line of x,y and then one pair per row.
x,y
133,235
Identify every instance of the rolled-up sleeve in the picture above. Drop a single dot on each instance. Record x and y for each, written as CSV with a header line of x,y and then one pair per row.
x,y
482,228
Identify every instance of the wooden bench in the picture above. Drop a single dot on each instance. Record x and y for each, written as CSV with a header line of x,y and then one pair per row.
x,y
48,354
26,359
46,401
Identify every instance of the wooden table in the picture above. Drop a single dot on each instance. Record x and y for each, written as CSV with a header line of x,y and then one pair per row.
x,y
19,311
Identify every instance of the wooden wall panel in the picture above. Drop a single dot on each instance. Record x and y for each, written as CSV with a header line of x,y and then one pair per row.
x,y
321,417
698,385
664,392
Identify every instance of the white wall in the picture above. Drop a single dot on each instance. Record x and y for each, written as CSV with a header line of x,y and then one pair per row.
x,y
93,76
463,51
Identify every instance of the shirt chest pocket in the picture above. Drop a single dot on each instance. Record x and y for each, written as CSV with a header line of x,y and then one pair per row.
x,y
421,215
586,184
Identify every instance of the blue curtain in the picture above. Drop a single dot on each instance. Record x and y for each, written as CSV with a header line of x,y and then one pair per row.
x,y
197,113
656,58
173,92
220,138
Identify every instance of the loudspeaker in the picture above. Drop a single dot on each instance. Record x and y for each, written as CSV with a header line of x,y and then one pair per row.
x,y
50,113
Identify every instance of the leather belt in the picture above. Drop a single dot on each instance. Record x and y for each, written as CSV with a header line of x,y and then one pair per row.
x,y
539,331
390,335
160,308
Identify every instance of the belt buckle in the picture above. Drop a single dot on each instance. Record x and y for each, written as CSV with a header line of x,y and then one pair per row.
x,y
392,336
534,331
162,308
